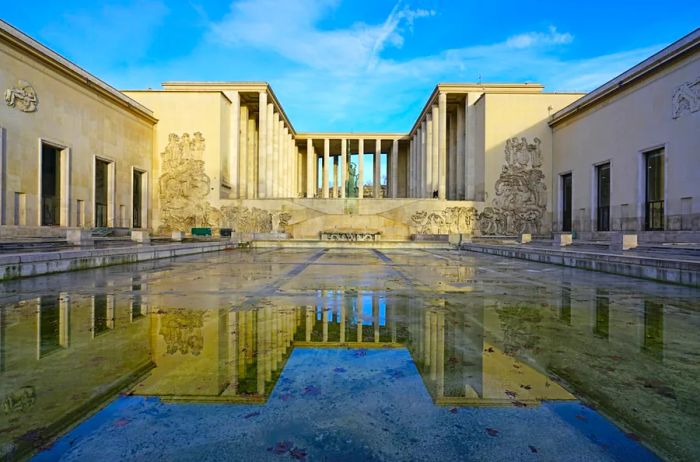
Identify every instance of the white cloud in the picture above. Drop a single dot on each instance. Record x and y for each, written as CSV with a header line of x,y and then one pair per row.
x,y
529,39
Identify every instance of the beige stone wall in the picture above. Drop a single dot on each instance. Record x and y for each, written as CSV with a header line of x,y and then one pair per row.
x,y
85,125
188,113
620,130
517,159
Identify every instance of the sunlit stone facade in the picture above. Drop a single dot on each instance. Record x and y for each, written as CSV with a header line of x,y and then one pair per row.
x,y
490,159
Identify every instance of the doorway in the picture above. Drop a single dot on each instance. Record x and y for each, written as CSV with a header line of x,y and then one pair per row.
x,y
566,201
50,185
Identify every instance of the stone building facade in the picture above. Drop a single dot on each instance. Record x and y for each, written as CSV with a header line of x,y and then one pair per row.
x,y
494,159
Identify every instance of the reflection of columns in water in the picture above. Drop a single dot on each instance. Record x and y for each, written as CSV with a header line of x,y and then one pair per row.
x,y
391,314
375,316
324,315
358,310
440,356
310,312
426,337
342,319
262,361
433,345
267,344
233,350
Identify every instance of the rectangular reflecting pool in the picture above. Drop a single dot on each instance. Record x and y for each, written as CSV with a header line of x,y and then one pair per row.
x,y
342,354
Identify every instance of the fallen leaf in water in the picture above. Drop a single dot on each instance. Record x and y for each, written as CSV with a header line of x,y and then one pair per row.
x,y
492,431
489,350
120,422
582,418
533,449
311,390
252,414
454,410
517,403
340,370
281,447
511,394
298,453
632,436
526,387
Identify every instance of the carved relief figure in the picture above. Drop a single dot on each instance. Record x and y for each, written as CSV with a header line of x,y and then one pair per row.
x,y
184,186
521,193
452,220
686,98
182,331
19,400
22,96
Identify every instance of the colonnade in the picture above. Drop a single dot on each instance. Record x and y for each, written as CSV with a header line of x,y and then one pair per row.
x,y
337,167
263,157
441,154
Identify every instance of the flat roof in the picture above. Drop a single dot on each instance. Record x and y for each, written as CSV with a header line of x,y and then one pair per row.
x,y
678,49
18,39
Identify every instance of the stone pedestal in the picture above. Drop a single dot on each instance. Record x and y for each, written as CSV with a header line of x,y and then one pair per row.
x,y
80,236
525,238
458,239
178,236
623,241
142,237
562,239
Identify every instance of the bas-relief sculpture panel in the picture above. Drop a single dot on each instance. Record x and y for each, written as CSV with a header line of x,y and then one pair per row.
x,y
520,200
184,188
686,98
519,204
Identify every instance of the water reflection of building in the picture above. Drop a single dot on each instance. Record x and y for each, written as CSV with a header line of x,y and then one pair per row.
x,y
62,356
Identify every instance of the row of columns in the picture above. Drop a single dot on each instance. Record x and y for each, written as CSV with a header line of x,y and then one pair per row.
x,y
441,157
340,169
263,156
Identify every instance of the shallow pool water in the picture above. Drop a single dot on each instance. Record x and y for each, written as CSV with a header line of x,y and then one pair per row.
x,y
335,354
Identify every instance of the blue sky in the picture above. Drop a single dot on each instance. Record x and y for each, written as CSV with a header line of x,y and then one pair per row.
x,y
355,65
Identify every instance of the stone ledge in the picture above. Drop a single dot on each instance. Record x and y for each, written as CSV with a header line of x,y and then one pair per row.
x,y
36,264
685,272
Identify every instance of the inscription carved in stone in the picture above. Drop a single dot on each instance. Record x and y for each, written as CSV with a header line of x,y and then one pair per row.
x,y
452,220
22,97
521,194
686,98
184,186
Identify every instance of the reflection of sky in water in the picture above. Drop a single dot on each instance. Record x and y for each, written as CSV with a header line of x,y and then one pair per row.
x,y
362,305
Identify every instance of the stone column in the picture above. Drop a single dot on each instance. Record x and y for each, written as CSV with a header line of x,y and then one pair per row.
x,y
243,153
360,168
409,172
326,162
335,177
394,169
442,145
252,160
436,149
429,187
452,158
234,143
270,155
310,160
262,144
420,186
276,157
343,165
460,152
377,169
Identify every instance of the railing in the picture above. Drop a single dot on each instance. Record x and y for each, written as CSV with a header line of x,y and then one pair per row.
x,y
654,217
603,218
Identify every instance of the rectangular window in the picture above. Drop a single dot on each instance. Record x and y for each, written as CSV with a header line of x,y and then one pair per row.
x,y
603,197
654,186
137,195
102,314
566,201
101,192
50,185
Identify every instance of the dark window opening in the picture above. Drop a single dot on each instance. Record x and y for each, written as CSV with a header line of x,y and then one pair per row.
x,y
603,203
566,201
137,199
654,185
101,192
50,185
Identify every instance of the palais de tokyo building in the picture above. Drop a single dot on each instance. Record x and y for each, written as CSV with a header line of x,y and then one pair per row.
x,y
501,159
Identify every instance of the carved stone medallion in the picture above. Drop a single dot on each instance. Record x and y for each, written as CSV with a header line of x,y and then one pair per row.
x,y
22,97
